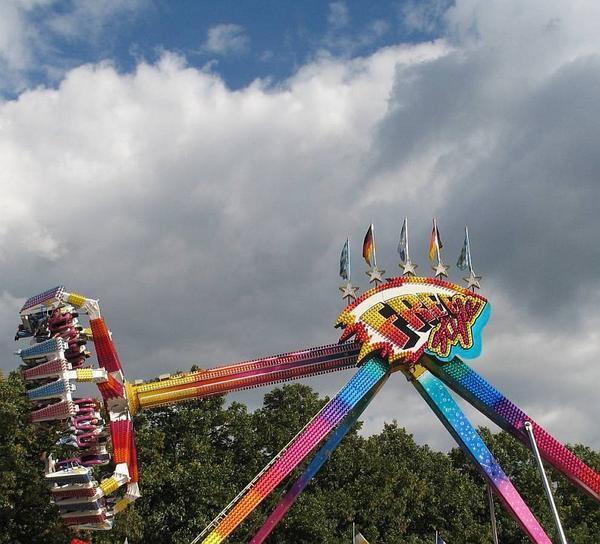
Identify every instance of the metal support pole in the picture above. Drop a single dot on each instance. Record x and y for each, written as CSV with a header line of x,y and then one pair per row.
x,y
536,453
492,514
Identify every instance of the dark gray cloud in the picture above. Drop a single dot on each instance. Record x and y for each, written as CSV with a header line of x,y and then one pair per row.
x,y
522,170
505,128
209,222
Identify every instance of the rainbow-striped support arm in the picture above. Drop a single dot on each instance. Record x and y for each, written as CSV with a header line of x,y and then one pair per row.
x,y
367,377
320,458
507,415
439,399
225,379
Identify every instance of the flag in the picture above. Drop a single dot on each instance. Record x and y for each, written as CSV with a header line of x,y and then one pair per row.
x,y
345,261
360,539
439,539
403,243
369,247
464,259
435,244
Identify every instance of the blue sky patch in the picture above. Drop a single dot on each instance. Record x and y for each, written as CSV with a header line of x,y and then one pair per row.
x,y
240,41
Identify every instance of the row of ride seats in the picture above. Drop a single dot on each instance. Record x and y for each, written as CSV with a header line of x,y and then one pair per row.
x,y
51,366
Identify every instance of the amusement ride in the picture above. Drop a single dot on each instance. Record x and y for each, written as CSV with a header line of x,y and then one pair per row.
x,y
422,327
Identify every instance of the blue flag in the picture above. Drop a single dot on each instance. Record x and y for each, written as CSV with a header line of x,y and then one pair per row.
x,y
345,261
464,259
439,539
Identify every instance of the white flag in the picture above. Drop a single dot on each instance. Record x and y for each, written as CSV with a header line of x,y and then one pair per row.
x,y
360,539
403,243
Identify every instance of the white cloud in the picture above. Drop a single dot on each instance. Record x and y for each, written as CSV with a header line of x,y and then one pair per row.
x,y
338,16
17,38
423,16
340,39
9,307
225,39
88,18
221,213
29,30
163,183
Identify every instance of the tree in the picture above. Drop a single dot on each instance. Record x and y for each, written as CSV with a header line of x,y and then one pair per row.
x,y
26,515
579,513
196,457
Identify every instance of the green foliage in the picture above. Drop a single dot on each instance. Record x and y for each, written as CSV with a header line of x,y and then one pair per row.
x,y
196,457
26,515
580,514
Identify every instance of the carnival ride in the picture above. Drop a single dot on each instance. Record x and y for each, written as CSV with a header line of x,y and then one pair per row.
x,y
422,327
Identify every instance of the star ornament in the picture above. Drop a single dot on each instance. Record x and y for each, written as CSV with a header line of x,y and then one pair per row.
x,y
472,281
408,268
441,269
375,275
349,291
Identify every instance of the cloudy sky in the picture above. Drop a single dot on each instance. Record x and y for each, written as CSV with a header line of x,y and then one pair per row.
x,y
198,167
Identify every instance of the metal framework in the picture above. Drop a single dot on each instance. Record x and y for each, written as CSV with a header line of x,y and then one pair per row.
x,y
421,327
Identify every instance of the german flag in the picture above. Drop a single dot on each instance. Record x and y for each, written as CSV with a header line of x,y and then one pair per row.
x,y
369,247
435,244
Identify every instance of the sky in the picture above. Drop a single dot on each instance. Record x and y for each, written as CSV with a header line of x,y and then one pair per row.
x,y
197,166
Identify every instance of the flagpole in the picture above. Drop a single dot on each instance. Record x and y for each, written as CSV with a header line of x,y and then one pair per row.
x,y
492,514
349,263
374,250
471,271
469,249
437,240
406,234
353,534
348,290
436,536
536,454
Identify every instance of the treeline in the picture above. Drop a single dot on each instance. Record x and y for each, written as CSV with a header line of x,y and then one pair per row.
x,y
196,457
